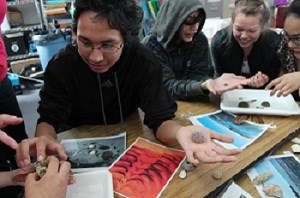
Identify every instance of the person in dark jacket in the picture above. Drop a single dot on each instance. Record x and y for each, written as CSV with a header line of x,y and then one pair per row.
x,y
104,77
289,55
247,47
8,105
183,50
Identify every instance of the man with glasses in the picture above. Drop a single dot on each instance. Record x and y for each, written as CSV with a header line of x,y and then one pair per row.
x,y
183,50
289,55
106,76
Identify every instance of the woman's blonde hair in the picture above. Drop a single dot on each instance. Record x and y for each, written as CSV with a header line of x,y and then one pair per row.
x,y
253,7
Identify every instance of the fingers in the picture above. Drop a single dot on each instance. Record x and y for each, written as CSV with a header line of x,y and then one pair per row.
x,y
205,158
38,147
8,140
218,154
31,177
221,137
9,120
22,154
190,157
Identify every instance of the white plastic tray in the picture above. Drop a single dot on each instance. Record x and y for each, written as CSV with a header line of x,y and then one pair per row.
x,y
93,184
284,106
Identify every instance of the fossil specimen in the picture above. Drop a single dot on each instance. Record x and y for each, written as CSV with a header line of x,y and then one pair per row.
x,y
246,104
198,137
273,190
41,167
217,174
296,140
182,174
265,104
262,178
188,166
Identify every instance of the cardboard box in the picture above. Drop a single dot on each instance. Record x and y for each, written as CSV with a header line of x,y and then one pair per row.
x,y
17,66
15,18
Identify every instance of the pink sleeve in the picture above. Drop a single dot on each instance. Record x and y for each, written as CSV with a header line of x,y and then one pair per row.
x,y
3,55
3,60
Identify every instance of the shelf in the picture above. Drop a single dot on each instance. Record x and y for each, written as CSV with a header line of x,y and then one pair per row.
x,y
16,3
22,56
22,29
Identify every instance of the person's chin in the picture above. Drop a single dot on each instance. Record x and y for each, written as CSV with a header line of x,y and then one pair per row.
x,y
245,44
188,38
99,69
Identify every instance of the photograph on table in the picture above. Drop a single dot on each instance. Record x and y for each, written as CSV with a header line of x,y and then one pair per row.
x,y
223,122
145,169
234,190
92,153
276,176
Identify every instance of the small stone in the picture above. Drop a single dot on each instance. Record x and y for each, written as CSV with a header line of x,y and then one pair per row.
x,y
92,146
198,137
182,174
217,174
296,140
287,152
188,166
92,152
295,148
273,190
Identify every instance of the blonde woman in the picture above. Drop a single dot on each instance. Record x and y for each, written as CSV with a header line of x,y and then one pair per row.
x,y
247,47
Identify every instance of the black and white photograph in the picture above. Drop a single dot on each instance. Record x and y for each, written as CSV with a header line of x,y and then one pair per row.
x,y
86,153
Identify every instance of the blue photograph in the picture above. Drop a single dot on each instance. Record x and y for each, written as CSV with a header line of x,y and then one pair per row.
x,y
286,174
223,122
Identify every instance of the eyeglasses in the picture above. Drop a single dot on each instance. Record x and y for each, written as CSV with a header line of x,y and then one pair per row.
x,y
104,48
192,20
241,119
295,38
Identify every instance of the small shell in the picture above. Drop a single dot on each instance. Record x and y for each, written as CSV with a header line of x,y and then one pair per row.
x,y
217,174
262,178
41,167
92,152
198,137
287,152
92,146
296,140
182,174
295,148
273,190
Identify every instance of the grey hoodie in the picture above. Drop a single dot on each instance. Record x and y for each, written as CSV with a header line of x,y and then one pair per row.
x,y
185,65
170,17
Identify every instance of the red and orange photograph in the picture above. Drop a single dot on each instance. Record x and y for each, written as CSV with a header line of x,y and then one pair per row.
x,y
145,169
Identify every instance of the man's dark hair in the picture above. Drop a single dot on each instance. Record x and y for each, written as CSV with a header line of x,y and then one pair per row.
x,y
123,15
294,9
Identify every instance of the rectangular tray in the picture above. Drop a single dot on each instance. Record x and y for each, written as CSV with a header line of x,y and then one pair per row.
x,y
284,106
93,184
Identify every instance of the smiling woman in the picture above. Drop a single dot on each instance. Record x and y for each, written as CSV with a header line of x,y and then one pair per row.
x,y
247,47
289,54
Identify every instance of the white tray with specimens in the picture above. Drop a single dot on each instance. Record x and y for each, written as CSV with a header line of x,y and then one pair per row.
x,y
258,101
92,184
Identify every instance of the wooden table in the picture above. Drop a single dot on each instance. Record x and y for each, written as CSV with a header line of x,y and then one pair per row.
x,y
199,183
